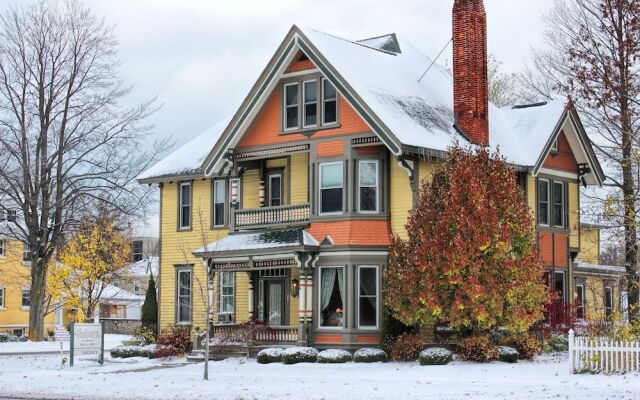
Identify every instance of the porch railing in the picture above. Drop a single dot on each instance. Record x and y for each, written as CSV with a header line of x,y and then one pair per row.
x,y
255,218
253,335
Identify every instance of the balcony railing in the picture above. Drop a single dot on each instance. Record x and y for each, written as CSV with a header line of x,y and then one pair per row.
x,y
267,217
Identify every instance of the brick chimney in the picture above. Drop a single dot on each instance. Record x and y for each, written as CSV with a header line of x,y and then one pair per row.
x,y
470,76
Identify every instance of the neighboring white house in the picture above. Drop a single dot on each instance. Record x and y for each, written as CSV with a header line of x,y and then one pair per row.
x,y
118,303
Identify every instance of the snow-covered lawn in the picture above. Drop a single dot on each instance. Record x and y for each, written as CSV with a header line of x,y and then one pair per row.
x,y
110,341
39,377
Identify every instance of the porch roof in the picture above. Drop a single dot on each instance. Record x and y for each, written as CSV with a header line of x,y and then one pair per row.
x,y
297,239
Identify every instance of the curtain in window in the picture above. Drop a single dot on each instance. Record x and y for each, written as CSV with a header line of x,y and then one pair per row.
x,y
327,279
341,283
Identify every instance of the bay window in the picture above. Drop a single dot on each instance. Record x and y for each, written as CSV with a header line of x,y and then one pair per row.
x,y
183,312
329,103
332,295
368,186
291,106
219,197
558,204
368,297
185,205
543,202
331,187
310,106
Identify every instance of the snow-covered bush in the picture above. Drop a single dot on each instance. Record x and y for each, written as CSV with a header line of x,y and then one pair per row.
x,y
508,354
369,355
435,356
294,355
8,337
134,351
334,356
23,338
268,356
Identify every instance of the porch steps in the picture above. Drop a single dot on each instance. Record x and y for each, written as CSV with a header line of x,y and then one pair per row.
x,y
60,334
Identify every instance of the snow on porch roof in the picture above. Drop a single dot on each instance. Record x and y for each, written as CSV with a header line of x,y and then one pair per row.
x,y
259,241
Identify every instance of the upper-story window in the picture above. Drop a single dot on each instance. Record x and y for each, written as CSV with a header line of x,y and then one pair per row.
x,y
329,103
543,202
331,187
310,109
558,204
219,196
291,106
185,205
136,250
368,186
309,104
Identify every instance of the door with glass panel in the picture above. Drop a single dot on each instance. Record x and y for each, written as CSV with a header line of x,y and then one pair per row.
x,y
273,301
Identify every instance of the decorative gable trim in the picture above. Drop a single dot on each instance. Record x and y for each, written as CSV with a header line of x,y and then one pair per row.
x,y
259,93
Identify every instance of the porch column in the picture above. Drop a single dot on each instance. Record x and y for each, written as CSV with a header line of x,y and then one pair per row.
x,y
210,281
250,295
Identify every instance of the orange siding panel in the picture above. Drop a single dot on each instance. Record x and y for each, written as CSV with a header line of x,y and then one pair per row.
x,y
370,149
546,248
300,65
330,149
347,233
328,339
368,339
563,159
560,246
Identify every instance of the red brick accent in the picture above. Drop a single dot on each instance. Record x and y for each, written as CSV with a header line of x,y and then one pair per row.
x,y
470,75
266,128
563,159
330,149
346,233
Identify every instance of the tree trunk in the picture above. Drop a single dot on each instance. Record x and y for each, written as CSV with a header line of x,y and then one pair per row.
x,y
37,303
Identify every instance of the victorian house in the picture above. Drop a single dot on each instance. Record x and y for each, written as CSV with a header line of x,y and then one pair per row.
x,y
293,200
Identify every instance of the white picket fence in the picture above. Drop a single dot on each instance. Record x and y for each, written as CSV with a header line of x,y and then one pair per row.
x,y
602,355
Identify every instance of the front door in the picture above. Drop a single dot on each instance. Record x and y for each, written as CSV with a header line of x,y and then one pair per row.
x,y
272,301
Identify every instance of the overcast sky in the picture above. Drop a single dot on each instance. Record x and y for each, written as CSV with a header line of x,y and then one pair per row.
x,y
200,57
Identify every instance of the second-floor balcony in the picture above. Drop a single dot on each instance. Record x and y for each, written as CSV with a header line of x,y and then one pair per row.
x,y
271,217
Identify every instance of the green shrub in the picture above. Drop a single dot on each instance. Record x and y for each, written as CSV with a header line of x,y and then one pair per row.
x,y
149,315
294,355
477,348
268,356
144,335
526,344
391,328
406,347
555,343
435,356
334,356
508,354
369,355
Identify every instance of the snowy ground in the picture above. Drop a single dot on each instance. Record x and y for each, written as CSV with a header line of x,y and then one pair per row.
x,y
40,377
110,341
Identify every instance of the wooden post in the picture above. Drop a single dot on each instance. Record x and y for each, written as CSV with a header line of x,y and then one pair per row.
x,y
571,349
71,345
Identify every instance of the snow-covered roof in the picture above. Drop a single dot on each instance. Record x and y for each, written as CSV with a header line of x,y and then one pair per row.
x,y
112,292
187,160
144,267
260,241
599,268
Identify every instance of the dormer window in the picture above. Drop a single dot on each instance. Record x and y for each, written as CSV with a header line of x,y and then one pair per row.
x,y
291,106
309,104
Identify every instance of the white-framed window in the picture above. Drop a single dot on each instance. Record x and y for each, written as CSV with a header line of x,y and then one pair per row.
x,y
291,112
137,287
26,252
332,296
219,197
227,292
558,204
26,298
2,296
136,250
558,285
580,301
368,299
368,186
185,205
2,250
543,201
608,301
310,103
329,103
331,188
183,312
275,190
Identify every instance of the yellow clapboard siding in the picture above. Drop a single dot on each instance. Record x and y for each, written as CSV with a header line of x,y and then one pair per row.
x,y
590,245
242,297
251,189
594,297
574,216
401,198
177,247
531,195
293,301
15,276
300,178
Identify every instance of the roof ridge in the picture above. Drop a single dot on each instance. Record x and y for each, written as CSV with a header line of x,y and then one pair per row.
x,y
355,43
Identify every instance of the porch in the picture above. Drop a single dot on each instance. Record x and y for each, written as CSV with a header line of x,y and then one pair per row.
x,y
248,339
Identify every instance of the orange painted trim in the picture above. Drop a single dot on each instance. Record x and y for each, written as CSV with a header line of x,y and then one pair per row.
x,y
368,339
330,149
369,149
328,339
